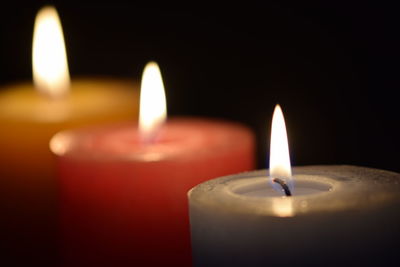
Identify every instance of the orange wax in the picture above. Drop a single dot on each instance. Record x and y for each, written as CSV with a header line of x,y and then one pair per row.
x,y
27,122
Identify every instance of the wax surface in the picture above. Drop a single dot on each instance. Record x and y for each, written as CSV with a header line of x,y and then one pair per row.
x,y
259,187
27,122
353,224
125,202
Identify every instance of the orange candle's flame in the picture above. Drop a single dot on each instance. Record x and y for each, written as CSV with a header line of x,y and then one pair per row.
x,y
153,107
49,58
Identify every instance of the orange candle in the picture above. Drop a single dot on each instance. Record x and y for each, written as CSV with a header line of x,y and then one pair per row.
x,y
29,117
28,120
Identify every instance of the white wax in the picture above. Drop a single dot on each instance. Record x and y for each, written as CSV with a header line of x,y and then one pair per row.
x,y
337,216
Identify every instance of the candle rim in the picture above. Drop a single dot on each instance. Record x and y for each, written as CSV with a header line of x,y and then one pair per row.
x,y
30,109
220,140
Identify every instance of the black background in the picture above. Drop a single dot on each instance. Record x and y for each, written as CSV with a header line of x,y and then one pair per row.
x,y
332,66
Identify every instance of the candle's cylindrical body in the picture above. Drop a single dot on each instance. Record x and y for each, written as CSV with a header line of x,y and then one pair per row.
x,y
126,202
356,223
28,120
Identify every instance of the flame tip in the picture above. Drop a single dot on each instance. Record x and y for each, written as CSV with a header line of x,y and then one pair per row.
x,y
151,64
277,107
48,6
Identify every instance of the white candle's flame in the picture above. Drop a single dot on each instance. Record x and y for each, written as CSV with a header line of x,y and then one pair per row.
x,y
49,58
279,161
153,107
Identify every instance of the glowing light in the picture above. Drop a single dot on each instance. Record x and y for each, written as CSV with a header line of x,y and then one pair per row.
x,y
49,58
153,107
279,162
283,207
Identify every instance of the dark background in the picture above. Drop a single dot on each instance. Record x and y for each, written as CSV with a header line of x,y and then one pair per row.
x,y
332,66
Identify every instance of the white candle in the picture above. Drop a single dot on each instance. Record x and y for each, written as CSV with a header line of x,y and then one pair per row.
x,y
344,215
336,216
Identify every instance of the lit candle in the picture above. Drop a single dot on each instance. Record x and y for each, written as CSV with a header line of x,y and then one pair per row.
x,y
29,117
331,216
124,187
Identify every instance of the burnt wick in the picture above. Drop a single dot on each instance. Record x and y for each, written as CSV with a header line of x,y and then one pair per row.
x,y
283,185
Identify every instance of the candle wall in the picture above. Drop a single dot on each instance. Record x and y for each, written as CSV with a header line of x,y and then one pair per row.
x,y
125,202
354,223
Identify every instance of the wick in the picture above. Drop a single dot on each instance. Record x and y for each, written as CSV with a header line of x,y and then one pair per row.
x,y
284,186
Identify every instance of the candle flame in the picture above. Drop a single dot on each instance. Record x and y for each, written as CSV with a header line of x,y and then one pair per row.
x,y
279,161
153,107
49,58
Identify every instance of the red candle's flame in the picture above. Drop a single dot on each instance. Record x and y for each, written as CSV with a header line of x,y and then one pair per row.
x,y
153,107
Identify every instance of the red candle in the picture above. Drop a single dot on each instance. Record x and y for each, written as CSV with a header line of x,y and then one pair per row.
x,y
124,188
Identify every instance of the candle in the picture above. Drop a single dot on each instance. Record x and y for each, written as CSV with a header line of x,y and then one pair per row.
x,y
123,188
335,216
29,118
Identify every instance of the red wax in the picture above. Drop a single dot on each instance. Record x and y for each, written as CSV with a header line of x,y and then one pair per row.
x,y
125,203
